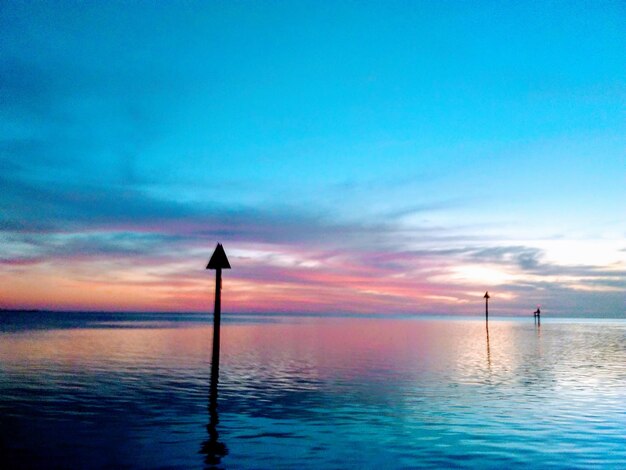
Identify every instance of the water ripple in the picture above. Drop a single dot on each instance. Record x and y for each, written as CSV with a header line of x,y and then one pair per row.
x,y
109,392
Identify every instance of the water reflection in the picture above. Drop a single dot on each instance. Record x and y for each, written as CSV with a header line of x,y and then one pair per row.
x,y
212,448
304,393
488,348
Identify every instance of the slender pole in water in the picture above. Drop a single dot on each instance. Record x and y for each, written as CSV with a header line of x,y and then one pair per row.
x,y
217,313
213,449
217,262
486,297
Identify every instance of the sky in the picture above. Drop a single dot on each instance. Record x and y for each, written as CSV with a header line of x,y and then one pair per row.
x,y
352,157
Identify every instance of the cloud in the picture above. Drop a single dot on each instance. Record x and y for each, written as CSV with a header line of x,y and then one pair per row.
x,y
527,258
31,206
75,206
286,258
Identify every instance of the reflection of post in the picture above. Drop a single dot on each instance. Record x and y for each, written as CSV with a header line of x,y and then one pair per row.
x,y
488,349
213,449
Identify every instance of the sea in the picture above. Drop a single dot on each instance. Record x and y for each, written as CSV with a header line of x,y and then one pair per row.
x,y
122,390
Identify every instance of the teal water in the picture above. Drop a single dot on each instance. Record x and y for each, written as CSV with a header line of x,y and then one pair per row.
x,y
132,391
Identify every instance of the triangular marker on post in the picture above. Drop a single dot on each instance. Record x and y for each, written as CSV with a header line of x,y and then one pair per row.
x,y
218,260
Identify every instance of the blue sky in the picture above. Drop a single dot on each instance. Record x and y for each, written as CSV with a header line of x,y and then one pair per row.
x,y
468,145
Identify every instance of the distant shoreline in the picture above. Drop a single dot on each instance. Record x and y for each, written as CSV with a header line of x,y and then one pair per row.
x,y
544,317
25,310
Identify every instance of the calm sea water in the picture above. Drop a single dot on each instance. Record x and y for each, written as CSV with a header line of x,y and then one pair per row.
x,y
120,391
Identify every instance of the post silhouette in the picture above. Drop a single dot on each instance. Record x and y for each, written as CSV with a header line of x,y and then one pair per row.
x,y
217,262
486,297
217,318
537,315
213,449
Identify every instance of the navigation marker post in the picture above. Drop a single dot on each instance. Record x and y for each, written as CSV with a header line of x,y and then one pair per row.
x,y
486,297
217,262
212,448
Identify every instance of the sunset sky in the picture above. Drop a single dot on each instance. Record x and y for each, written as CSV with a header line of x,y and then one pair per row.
x,y
364,157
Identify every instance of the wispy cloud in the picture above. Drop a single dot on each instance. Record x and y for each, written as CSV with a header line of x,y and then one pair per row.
x,y
286,259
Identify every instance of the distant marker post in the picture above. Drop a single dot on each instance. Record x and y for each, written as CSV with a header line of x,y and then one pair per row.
x,y
217,262
486,297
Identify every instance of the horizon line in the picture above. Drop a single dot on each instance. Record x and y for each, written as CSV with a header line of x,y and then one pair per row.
x,y
312,314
